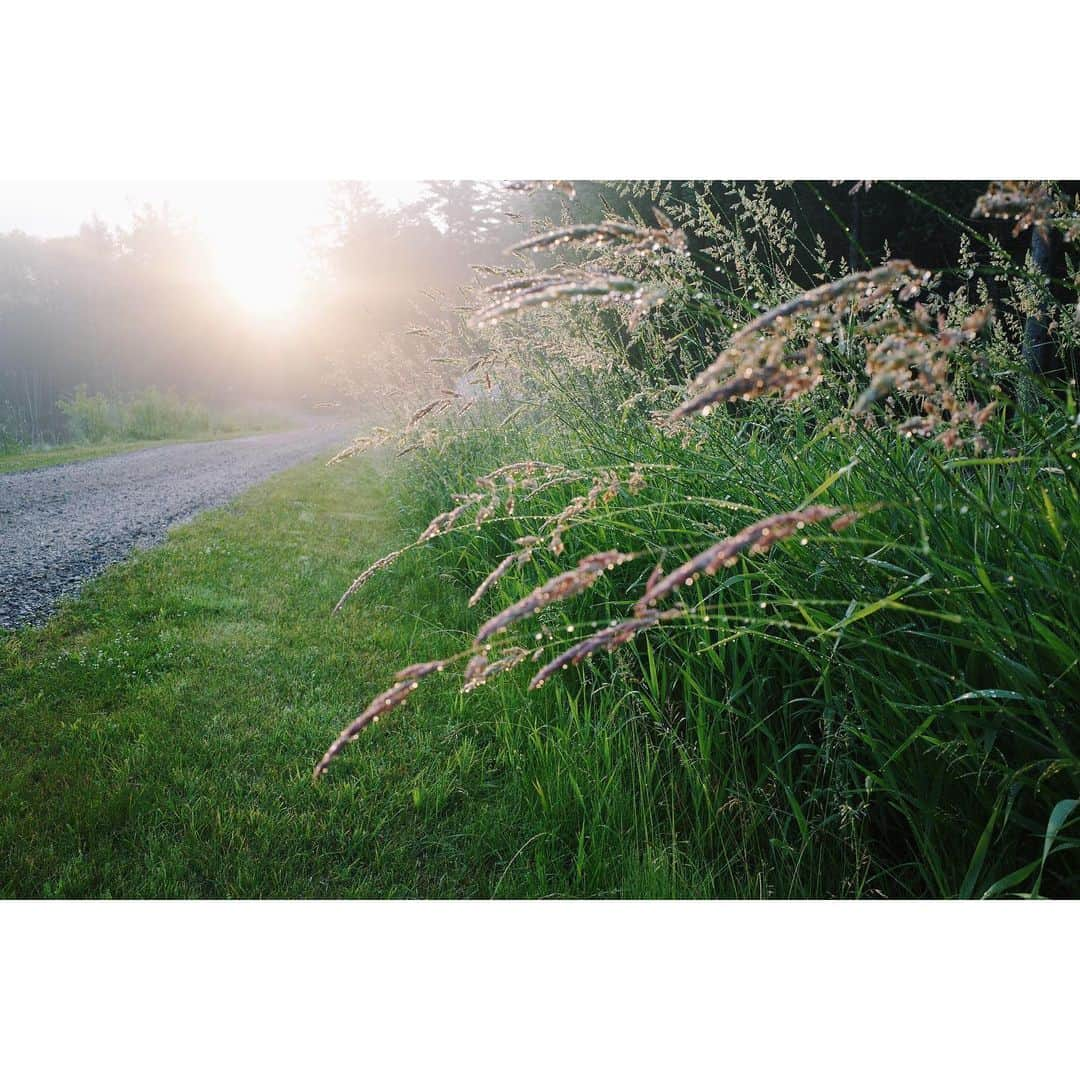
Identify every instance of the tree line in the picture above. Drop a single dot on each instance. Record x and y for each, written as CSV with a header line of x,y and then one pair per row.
x,y
117,309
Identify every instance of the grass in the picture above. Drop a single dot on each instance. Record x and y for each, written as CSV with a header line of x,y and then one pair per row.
x,y
159,732
889,711
918,741
25,459
885,711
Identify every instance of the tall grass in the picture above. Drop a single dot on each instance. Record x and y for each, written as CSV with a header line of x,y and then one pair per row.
x,y
887,708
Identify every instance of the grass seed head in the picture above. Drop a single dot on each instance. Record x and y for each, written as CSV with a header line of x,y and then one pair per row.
x,y
635,237
607,288
755,538
1027,202
790,380
515,558
609,638
564,187
561,587
370,572
480,668
408,680
846,288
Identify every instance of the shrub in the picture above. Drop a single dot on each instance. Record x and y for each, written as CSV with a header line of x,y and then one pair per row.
x,y
150,414
91,418
9,442
154,414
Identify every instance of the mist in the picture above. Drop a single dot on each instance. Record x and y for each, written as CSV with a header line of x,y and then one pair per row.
x,y
249,300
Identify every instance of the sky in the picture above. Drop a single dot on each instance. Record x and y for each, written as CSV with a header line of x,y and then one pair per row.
x,y
58,208
257,231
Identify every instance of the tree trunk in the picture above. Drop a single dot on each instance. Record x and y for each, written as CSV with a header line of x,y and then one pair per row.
x,y
855,235
1038,352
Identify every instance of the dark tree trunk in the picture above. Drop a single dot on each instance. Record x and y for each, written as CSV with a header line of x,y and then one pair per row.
x,y
1038,351
855,237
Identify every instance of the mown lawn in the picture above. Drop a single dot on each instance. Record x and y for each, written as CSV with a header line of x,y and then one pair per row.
x,y
158,735
24,460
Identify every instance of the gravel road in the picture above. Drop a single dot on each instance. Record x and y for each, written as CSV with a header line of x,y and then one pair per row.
x,y
61,525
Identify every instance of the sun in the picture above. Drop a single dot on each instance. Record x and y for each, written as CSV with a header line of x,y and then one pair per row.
x,y
260,234
264,275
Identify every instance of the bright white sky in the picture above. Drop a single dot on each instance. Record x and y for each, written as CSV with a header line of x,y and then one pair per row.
x,y
257,231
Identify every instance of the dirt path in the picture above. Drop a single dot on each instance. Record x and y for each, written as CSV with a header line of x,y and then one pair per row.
x,y
60,526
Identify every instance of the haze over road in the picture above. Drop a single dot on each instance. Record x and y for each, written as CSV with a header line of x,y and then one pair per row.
x,y
60,526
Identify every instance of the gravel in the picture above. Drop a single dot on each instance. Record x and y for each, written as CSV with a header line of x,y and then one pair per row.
x,y
61,525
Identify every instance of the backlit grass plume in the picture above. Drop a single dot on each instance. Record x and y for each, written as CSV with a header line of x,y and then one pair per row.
x,y
624,233
407,680
609,639
860,288
564,187
561,587
788,375
1027,202
569,288
754,539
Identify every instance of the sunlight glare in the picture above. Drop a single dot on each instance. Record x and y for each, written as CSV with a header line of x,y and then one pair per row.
x,y
265,275
258,238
